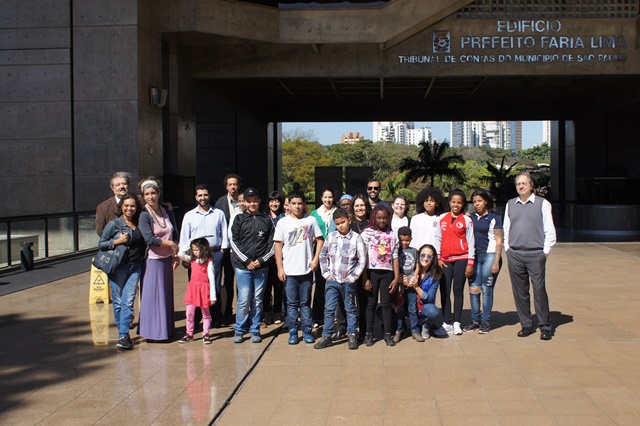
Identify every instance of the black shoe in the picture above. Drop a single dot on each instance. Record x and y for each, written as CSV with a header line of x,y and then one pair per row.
x,y
325,342
526,331
388,339
368,339
545,334
340,334
353,341
125,343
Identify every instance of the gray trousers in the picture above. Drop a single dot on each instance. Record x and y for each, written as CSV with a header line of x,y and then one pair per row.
x,y
525,266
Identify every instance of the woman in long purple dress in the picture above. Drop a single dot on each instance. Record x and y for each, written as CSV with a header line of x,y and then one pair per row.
x,y
160,234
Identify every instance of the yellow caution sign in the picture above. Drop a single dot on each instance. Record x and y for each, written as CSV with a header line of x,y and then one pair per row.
x,y
99,287
99,324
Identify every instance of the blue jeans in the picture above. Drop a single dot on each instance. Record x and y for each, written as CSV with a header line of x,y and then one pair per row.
x,y
410,305
216,310
250,293
431,315
332,293
484,279
298,291
124,286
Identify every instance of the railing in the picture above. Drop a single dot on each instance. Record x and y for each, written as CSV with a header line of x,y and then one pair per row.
x,y
51,234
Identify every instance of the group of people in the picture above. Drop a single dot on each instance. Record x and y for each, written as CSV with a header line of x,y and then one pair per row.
x,y
366,257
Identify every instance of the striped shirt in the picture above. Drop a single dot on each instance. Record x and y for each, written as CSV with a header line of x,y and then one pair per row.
x,y
343,257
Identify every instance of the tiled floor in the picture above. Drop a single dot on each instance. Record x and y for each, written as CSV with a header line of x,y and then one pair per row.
x,y
589,374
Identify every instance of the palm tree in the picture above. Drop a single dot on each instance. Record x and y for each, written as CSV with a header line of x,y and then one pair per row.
x,y
501,181
393,186
433,160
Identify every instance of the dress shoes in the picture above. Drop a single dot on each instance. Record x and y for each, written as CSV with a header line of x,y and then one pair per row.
x,y
526,331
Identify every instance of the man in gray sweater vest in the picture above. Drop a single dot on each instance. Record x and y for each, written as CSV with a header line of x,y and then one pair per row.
x,y
529,234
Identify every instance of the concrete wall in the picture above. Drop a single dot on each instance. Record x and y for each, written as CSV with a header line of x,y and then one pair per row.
x,y
229,140
35,107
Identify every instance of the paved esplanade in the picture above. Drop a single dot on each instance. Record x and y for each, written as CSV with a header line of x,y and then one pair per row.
x,y
589,374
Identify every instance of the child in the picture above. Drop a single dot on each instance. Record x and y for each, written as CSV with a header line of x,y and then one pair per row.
x,y
408,261
456,259
425,225
425,283
342,260
383,273
296,261
201,291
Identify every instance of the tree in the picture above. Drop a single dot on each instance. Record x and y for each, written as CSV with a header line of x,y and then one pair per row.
x,y
300,158
394,185
501,181
538,153
433,160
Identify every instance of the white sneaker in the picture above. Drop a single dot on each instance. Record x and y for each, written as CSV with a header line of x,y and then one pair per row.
x,y
448,327
425,332
456,328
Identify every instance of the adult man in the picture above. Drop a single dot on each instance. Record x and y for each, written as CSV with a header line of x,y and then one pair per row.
x,y
205,221
106,211
251,238
529,234
373,189
229,205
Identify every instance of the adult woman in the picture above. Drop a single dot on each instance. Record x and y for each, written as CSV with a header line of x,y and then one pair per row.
x,y
124,280
361,212
161,236
360,220
400,207
487,230
324,217
457,257
275,210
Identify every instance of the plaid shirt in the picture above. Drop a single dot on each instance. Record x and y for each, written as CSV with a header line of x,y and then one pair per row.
x,y
343,257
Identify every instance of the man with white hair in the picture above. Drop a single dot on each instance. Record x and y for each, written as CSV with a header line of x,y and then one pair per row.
x,y
106,211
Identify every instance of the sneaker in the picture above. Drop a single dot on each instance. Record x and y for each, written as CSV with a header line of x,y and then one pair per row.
x,y
471,327
425,332
238,338
389,340
448,327
353,341
207,339
440,332
397,337
125,343
186,338
308,338
263,325
456,328
324,342
484,328
368,339
255,338
340,334
418,337
293,338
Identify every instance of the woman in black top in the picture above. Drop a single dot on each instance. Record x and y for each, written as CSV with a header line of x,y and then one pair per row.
x,y
124,280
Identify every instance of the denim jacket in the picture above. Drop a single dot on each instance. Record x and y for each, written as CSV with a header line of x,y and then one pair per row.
x,y
111,233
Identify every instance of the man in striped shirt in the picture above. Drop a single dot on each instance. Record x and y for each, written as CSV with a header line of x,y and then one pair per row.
x,y
342,260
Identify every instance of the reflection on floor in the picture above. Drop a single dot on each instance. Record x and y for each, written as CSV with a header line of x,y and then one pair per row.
x,y
60,365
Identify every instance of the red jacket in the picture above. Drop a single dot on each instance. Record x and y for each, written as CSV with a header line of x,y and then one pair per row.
x,y
458,241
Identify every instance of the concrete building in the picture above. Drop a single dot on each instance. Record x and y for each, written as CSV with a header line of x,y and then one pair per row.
x,y
546,132
82,87
351,138
493,134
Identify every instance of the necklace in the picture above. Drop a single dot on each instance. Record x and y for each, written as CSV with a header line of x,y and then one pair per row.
x,y
162,224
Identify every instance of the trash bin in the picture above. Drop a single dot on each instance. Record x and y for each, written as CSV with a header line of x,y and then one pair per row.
x,y
26,256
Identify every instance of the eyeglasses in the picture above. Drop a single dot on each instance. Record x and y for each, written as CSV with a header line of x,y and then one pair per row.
x,y
426,256
373,188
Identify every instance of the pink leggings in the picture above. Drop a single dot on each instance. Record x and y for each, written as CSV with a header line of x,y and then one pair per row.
x,y
206,319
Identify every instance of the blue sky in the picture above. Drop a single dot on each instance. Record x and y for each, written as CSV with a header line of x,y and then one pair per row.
x,y
329,133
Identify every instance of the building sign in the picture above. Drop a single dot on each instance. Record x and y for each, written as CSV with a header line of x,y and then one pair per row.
x,y
522,41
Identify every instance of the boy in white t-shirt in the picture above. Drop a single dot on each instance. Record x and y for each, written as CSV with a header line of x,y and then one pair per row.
x,y
296,261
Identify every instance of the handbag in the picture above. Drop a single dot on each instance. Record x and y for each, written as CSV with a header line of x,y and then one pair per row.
x,y
108,260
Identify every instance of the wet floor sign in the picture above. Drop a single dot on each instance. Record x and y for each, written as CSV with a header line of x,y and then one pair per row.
x,y
99,283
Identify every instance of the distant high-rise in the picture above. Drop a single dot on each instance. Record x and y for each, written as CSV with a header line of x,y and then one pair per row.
x,y
401,132
351,138
494,134
546,132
